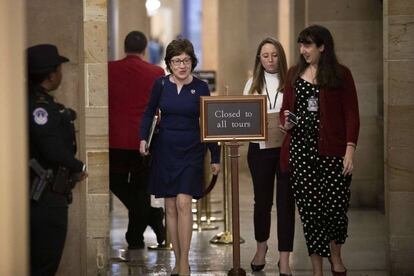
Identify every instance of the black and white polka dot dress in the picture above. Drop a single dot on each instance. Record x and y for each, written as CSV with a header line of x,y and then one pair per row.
x,y
321,191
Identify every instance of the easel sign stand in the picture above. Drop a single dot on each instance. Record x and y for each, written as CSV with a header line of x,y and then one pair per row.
x,y
234,165
232,119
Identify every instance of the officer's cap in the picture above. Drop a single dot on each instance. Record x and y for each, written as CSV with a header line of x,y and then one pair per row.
x,y
42,57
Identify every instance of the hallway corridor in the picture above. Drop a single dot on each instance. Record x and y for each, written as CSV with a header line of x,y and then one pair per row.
x,y
364,253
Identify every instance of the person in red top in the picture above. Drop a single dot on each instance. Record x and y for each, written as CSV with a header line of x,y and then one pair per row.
x,y
130,82
319,147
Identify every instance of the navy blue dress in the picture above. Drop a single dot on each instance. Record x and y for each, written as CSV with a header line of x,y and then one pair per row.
x,y
178,154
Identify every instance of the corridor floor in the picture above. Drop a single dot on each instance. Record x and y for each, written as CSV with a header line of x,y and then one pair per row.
x,y
364,253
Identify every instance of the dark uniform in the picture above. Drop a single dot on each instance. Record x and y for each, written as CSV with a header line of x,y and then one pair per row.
x,y
53,145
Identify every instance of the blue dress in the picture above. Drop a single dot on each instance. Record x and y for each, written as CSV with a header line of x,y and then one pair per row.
x,y
178,154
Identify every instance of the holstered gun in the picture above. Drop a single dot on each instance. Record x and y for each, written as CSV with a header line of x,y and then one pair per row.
x,y
43,178
64,181
61,181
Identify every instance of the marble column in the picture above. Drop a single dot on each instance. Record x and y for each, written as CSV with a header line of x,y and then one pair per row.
x,y
79,29
399,132
94,89
13,146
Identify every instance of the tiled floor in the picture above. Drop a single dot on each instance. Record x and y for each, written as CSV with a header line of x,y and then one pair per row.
x,y
364,253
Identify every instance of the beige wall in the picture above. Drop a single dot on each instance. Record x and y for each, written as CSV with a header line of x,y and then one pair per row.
x,y
79,29
358,41
399,132
224,43
125,16
13,146
166,23
262,21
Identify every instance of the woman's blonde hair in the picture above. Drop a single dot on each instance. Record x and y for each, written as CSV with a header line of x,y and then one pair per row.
x,y
258,73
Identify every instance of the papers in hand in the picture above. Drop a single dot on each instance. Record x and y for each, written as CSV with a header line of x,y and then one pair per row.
x,y
152,130
274,135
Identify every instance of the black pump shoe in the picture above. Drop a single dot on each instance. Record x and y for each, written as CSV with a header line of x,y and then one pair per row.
x,y
282,274
177,274
256,268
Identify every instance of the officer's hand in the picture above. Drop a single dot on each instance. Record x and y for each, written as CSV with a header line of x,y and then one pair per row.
x,y
83,176
80,176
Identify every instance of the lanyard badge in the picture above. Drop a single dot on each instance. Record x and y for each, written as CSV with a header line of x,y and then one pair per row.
x,y
313,104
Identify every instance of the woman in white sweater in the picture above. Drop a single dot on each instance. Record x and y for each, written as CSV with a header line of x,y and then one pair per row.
x,y
264,159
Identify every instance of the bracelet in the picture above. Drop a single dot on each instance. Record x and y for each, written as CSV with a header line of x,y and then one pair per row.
x,y
351,144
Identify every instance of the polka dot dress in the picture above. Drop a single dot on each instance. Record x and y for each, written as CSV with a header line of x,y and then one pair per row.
x,y
321,191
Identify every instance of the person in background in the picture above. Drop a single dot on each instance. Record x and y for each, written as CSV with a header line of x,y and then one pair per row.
x,y
130,80
263,158
54,169
155,50
320,144
177,153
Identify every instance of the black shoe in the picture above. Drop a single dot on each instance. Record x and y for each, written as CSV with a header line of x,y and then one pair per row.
x,y
259,267
136,246
156,223
177,274
256,268
282,274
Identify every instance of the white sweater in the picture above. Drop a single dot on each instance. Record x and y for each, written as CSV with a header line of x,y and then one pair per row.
x,y
273,104
272,84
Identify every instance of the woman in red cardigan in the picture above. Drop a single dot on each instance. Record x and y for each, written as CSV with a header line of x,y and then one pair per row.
x,y
319,147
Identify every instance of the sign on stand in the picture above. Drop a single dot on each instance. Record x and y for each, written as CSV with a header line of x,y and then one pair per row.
x,y
233,119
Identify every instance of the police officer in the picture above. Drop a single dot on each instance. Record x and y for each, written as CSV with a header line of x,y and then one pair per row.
x,y
53,147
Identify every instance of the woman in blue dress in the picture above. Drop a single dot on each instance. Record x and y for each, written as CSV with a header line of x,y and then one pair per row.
x,y
177,153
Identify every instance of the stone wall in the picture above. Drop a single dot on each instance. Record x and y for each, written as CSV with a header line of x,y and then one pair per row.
x,y
95,211
358,43
399,132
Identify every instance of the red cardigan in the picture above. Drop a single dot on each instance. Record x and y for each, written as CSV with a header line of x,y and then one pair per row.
x,y
338,113
130,82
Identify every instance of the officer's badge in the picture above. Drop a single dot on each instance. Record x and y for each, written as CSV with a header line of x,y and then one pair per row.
x,y
40,116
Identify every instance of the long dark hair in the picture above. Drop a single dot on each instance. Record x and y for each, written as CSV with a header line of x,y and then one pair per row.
x,y
258,73
328,74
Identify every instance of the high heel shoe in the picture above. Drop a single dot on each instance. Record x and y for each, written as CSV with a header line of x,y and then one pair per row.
x,y
256,268
178,274
282,274
336,273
